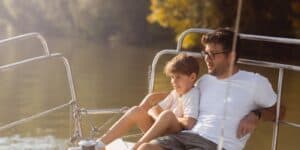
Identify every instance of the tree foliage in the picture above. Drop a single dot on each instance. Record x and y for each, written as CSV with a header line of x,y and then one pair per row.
x,y
103,20
276,17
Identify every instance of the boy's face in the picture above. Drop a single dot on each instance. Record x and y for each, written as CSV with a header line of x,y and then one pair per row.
x,y
182,83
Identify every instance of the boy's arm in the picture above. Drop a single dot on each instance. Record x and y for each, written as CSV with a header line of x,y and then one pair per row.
x,y
187,122
190,109
152,99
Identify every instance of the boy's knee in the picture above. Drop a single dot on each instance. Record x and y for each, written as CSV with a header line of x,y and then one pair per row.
x,y
135,112
167,114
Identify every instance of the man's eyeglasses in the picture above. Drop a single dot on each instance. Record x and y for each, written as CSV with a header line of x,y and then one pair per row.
x,y
211,55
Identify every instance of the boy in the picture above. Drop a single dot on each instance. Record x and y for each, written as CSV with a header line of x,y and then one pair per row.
x,y
178,111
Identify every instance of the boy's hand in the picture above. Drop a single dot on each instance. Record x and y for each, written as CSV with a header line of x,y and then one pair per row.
x,y
187,122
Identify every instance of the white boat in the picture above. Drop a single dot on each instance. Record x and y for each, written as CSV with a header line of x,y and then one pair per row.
x,y
78,112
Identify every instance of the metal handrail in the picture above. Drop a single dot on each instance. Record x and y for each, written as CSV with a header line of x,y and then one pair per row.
x,y
46,55
73,101
251,37
39,58
29,35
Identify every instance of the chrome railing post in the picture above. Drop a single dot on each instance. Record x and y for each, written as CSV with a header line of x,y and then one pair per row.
x,y
276,123
74,107
188,31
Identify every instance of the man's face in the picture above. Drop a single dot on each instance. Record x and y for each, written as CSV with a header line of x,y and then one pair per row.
x,y
182,83
216,59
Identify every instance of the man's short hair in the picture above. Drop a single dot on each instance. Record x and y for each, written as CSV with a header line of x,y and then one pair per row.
x,y
182,63
224,37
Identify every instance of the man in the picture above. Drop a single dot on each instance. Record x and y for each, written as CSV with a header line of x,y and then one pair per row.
x,y
231,101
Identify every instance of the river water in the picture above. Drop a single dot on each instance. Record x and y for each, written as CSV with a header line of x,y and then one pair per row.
x,y
110,76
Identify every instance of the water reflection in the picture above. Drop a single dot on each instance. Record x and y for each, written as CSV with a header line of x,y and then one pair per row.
x,y
33,143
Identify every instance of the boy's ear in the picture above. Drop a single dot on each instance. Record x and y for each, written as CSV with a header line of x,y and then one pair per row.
x,y
193,76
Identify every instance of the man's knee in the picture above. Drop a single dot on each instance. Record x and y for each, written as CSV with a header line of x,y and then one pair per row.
x,y
148,146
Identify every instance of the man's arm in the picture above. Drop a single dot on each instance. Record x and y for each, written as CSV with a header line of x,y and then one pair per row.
x,y
269,114
251,120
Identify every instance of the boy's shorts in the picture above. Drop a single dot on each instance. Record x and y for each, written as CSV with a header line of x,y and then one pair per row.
x,y
185,141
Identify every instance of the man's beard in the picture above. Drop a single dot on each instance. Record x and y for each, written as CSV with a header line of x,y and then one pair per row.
x,y
213,72
217,72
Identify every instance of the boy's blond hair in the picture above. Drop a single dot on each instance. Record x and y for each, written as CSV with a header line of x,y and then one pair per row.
x,y
182,63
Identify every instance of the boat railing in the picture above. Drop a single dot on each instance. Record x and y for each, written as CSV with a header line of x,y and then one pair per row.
x,y
46,55
27,36
72,102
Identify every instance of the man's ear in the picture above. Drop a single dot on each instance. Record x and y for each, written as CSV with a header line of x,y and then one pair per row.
x,y
231,55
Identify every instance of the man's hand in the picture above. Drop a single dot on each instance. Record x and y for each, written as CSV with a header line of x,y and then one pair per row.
x,y
250,121
247,124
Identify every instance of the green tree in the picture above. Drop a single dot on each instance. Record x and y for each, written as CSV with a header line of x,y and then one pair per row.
x,y
262,17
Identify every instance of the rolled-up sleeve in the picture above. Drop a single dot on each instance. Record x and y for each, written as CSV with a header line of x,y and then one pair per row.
x,y
264,93
167,102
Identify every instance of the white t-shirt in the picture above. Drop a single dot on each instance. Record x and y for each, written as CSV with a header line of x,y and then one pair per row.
x,y
246,91
186,105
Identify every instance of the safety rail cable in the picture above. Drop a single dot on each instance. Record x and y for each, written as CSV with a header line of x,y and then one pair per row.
x,y
94,128
87,111
290,124
11,65
265,64
35,116
114,111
